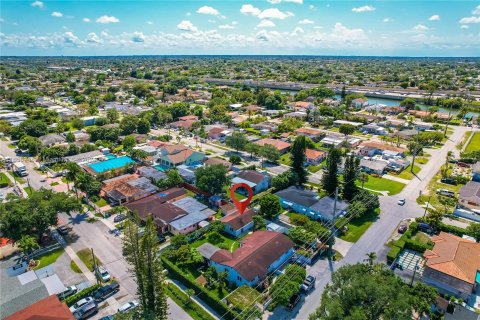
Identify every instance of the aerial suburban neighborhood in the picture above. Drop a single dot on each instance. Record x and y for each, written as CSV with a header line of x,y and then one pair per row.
x,y
238,187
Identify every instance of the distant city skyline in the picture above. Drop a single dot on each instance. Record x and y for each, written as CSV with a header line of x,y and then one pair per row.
x,y
270,27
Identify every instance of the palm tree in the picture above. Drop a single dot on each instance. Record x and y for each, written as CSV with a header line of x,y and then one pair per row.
x,y
363,178
27,245
371,256
72,174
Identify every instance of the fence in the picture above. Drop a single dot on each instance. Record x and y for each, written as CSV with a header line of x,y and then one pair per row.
x,y
45,250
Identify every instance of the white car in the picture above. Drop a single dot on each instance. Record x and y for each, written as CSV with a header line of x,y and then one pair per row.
x,y
68,292
80,304
128,306
103,274
401,202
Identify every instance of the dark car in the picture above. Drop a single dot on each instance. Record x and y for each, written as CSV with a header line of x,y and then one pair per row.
x,y
63,230
402,228
425,227
119,217
106,291
294,300
449,181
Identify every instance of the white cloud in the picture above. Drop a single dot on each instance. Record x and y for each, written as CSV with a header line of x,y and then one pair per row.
x,y
107,19
386,20
38,4
138,37
186,25
86,20
227,26
306,21
266,24
262,35
149,22
435,17
249,10
476,10
363,9
210,11
57,14
274,13
279,1
345,34
92,37
464,26
70,39
420,28
470,20
298,30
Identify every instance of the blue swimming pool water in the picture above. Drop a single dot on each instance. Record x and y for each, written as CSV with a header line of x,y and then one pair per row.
x,y
111,164
110,156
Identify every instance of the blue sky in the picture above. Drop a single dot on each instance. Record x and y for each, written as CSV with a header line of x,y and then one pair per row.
x,y
396,28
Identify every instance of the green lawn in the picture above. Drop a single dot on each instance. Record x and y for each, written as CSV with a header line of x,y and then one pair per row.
x,y
191,307
474,144
243,297
285,159
11,146
358,226
421,160
238,196
101,202
20,180
86,256
227,243
466,136
314,169
406,174
380,184
74,267
28,190
4,181
48,258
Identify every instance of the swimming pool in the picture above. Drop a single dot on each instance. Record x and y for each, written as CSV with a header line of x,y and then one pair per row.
x,y
111,164
110,156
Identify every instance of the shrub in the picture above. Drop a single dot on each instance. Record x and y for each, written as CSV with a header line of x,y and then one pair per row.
x,y
417,246
393,253
80,295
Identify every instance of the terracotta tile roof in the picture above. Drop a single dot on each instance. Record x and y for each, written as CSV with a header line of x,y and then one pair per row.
x,y
174,148
381,146
308,131
314,154
48,308
181,156
191,117
187,124
158,143
454,256
279,144
213,161
110,184
216,130
257,252
237,220
302,104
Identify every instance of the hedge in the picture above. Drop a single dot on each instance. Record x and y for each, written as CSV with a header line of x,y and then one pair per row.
x,y
192,308
207,297
393,253
80,295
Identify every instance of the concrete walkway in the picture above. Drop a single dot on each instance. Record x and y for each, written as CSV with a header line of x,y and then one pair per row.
x,y
342,246
393,178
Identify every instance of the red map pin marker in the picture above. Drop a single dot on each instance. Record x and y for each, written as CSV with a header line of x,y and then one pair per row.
x,y
241,204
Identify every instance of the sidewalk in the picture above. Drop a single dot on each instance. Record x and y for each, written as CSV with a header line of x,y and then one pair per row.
x,y
90,276
389,177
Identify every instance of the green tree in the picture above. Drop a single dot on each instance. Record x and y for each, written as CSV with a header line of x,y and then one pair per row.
x,y
142,252
287,285
211,179
70,137
270,153
350,175
363,291
346,129
363,177
330,176
434,218
408,103
78,123
259,222
284,180
73,170
143,126
27,245
269,206
32,144
474,230
88,184
112,115
237,140
253,149
129,124
173,179
297,152
128,142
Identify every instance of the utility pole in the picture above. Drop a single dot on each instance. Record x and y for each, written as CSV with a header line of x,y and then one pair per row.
x,y
95,267
446,124
332,228
414,154
414,272
426,207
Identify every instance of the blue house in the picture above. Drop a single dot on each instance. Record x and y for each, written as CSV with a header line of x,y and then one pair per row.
x,y
256,180
476,172
260,253
309,203
237,224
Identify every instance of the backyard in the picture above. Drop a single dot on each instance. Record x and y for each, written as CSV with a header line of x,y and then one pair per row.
x,y
242,297
358,226
238,196
226,243
474,143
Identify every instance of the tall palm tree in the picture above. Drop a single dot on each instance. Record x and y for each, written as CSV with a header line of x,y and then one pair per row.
x,y
371,256
72,174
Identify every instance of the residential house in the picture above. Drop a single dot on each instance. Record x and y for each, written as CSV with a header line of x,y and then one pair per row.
x,y
197,216
89,121
393,110
374,129
422,126
253,108
302,106
187,124
408,134
52,139
172,156
359,103
214,161
86,158
151,173
331,102
371,148
453,265
47,308
238,224
188,118
308,203
314,157
281,146
260,253
297,115
476,172
187,173
371,165
219,133
270,113
313,134
256,180
336,140
469,195
126,188
266,125
338,123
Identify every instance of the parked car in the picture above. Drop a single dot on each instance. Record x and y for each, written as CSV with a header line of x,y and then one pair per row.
x,y
402,228
446,193
103,274
68,292
82,304
119,217
294,300
106,291
115,232
109,317
308,284
63,230
425,227
128,306
401,202
86,311
449,181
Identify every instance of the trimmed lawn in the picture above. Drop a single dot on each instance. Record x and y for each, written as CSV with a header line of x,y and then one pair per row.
x,y
316,168
74,267
474,144
464,140
406,174
421,160
28,190
242,297
101,202
191,307
227,243
4,180
48,258
358,226
86,256
285,159
11,146
380,184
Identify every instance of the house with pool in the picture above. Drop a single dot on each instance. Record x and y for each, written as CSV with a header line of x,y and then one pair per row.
x,y
110,167
171,156
259,254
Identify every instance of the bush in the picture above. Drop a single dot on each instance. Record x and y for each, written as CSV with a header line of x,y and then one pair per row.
x,y
207,297
417,246
80,295
393,254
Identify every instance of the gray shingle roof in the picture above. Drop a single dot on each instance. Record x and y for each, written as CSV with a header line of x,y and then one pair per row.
x,y
325,207
298,195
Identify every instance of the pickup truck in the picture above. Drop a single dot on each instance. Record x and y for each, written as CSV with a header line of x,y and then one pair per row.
x,y
308,284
